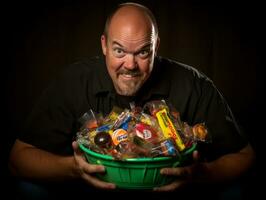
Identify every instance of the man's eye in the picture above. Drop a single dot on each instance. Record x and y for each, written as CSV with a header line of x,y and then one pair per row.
x,y
144,53
119,52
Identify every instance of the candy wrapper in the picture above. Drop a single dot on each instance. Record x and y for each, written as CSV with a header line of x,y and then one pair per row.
x,y
152,131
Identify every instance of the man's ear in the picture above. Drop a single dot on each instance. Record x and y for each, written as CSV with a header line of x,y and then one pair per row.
x,y
104,44
157,45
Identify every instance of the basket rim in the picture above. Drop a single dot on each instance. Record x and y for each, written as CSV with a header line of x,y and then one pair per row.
x,y
155,159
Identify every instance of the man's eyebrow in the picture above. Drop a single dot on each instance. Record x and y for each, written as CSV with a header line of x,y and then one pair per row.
x,y
145,46
117,43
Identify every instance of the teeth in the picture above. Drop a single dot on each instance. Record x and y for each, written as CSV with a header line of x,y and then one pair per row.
x,y
128,75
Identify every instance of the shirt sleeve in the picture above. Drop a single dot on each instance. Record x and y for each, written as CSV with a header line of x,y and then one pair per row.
x,y
52,123
212,109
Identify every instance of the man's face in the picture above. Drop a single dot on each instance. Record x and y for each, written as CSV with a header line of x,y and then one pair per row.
x,y
129,57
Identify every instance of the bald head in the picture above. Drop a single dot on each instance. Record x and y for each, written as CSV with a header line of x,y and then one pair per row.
x,y
130,43
130,16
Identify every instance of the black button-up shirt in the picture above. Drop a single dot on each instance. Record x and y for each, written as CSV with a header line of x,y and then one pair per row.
x,y
87,85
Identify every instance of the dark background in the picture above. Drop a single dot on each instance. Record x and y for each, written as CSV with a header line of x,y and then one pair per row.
x,y
222,39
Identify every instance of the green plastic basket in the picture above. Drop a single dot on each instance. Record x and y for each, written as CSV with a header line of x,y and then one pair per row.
x,y
136,173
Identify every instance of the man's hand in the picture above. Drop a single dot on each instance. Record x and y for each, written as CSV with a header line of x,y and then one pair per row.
x,y
184,175
87,170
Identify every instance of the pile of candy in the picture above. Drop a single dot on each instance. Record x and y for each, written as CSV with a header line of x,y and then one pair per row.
x,y
152,131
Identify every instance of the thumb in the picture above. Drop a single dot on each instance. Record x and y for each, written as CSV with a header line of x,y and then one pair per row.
x,y
196,156
76,148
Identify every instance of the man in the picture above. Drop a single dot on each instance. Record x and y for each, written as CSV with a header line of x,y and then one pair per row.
x,y
129,43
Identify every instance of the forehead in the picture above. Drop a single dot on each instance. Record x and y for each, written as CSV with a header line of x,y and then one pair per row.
x,y
131,24
131,43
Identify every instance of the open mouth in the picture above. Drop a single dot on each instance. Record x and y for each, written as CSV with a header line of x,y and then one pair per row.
x,y
129,75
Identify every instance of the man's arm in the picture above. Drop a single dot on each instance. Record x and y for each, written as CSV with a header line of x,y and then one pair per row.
x,y
29,162
231,166
226,168
33,163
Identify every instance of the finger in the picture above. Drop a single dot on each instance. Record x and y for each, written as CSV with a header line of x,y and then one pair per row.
x,y
98,183
196,156
170,187
91,168
76,148
181,172
79,155
80,158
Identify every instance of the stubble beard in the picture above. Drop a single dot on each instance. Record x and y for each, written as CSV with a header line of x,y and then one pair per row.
x,y
129,88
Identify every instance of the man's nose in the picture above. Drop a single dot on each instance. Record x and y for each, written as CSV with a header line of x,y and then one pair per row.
x,y
130,62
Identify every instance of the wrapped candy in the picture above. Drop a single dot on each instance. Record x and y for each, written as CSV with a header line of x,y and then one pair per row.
x,y
156,130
